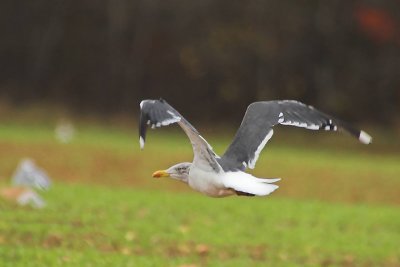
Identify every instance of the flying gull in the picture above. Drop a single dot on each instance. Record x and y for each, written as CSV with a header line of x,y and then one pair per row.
x,y
224,176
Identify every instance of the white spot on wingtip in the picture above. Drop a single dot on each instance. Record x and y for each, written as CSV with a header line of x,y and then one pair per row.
x,y
141,142
365,138
281,118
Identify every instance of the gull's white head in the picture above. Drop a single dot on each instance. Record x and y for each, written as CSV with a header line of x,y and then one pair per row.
x,y
179,171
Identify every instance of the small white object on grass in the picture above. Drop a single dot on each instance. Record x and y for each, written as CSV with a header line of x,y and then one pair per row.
x,y
64,132
28,174
22,196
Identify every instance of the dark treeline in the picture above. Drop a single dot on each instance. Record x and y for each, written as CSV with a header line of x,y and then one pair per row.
x,y
205,57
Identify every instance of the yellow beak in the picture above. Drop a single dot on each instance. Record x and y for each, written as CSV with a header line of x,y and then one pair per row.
x,y
159,174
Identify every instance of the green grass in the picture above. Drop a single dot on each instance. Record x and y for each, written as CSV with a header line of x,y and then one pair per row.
x,y
86,225
337,204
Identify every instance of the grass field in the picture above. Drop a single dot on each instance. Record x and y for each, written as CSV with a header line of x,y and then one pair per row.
x,y
338,204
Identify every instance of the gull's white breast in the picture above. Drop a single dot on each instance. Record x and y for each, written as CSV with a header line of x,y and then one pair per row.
x,y
209,183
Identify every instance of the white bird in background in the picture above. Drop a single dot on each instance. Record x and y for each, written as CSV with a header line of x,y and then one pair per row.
x,y
30,175
26,178
224,176
64,131
23,196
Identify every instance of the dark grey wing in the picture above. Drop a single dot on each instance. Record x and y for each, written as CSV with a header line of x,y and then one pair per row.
x,y
260,117
157,113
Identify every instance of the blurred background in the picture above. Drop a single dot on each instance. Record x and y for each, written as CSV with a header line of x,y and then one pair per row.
x,y
75,189
342,56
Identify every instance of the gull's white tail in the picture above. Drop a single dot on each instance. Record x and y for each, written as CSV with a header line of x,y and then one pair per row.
x,y
269,180
244,182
